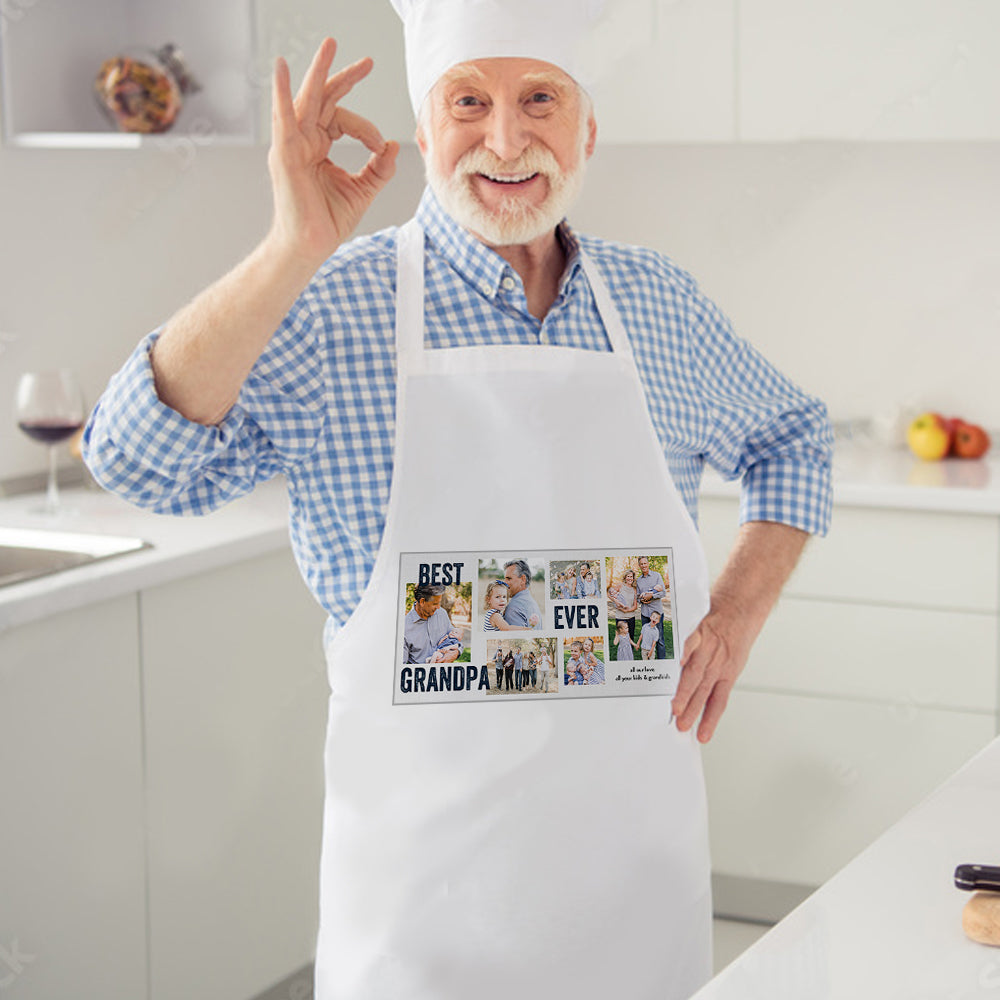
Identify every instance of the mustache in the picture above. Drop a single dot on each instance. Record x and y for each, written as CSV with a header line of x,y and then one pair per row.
x,y
534,160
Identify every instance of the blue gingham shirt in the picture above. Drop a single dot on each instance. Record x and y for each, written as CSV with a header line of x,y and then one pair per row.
x,y
319,405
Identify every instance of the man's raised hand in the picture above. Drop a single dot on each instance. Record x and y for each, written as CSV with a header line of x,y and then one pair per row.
x,y
317,204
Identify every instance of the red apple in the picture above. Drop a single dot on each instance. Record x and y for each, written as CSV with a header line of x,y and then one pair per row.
x,y
970,441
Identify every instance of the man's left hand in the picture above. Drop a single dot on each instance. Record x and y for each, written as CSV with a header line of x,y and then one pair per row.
x,y
714,656
717,650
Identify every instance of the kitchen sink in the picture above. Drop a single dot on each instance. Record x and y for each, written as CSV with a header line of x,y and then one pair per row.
x,y
28,553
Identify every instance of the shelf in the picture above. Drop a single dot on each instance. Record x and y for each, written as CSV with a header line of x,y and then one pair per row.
x,y
50,55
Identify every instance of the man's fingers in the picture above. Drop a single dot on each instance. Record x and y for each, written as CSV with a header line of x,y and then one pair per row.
x,y
309,99
691,646
340,85
692,691
282,108
346,122
692,670
714,707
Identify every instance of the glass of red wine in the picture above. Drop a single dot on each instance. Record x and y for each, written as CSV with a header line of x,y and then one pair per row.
x,y
49,408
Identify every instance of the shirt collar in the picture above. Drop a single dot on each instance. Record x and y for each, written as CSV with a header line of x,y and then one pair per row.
x,y
480,266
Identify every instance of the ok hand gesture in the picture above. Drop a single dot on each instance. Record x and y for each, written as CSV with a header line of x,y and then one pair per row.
x,y
317,204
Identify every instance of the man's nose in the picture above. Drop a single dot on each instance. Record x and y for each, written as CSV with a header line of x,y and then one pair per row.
x,y
506,134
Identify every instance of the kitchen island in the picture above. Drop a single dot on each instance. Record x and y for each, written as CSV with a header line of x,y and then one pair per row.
x,y
889,925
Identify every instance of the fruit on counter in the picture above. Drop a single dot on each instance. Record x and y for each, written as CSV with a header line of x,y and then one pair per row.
x,y
932,436
969,441
928,437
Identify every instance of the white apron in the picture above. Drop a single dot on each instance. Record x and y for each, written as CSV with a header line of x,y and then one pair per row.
x,y
552,849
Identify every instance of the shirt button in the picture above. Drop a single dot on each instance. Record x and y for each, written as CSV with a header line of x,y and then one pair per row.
x,y
509,283
543,336
485,287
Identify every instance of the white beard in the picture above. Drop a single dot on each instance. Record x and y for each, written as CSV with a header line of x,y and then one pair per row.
x,y
515,221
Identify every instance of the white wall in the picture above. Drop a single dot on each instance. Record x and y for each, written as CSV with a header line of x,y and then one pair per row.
x,y
871,273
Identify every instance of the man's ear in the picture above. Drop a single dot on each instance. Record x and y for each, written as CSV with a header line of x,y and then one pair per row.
x,y
591,135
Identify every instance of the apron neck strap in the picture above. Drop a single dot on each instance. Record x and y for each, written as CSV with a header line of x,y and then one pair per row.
x,y
409,295
610,317
410,299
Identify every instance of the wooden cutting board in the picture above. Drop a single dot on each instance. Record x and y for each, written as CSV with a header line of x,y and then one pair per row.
x,y
981,918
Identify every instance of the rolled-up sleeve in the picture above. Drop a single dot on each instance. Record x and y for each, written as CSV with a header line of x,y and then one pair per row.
x,y
763,429
138,447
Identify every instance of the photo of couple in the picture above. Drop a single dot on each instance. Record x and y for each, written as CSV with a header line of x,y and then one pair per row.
x,y
640,625
513,592
521,666
574,579
438,623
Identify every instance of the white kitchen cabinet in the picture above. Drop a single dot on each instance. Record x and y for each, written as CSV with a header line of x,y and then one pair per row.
x,y
666,72
72,882
235,698
51,51
665,69
874,679
868,70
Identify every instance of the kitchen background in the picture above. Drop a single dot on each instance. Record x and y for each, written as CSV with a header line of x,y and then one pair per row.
x,y
829,172
864,262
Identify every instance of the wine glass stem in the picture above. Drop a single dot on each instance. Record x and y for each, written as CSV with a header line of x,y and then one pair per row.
x,y
52,492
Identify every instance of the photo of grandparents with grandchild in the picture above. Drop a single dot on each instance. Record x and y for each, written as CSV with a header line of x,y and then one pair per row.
x,y
438,623
574,579
640,624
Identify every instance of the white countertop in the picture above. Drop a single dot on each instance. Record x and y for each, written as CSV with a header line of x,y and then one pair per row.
x,y
866,476
889,925
876,476
182,546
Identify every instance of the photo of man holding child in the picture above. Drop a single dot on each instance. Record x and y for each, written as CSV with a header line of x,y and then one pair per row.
x,y
513,594
437,626
639,607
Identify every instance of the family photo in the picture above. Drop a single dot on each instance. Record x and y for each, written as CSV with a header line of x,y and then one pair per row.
x,y
438,623
513,594
640,624
571,579
583,660
521,666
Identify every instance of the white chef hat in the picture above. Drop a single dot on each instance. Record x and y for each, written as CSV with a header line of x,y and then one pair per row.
x,y
440,34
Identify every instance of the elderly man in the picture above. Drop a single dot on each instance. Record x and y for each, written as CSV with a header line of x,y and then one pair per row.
x,y
522,609
326,366
651,590
428,636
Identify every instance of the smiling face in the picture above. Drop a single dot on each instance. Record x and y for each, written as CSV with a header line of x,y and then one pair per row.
x,y
644,566
505,142
426,606
514,580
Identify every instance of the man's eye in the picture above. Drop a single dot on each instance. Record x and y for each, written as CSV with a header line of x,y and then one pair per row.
x,y
467,102
541,97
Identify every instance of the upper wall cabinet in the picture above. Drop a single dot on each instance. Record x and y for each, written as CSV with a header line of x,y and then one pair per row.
x,y
665,67
294,29
667,72
52,51
869,70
